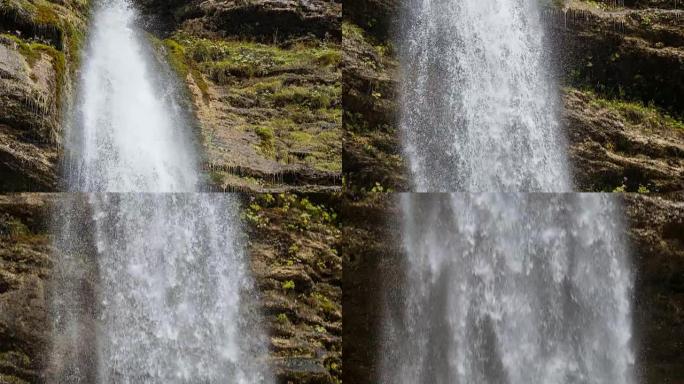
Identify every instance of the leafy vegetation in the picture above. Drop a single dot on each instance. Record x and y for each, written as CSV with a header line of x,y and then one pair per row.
x,y
640,114
288,285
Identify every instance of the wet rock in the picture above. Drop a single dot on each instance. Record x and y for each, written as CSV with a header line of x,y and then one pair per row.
x,y
24,269
622,53
373,256
372,253
293,248
39,54
379,17
269,113
621,136
372,155
270,20
656,230
29,126
625,146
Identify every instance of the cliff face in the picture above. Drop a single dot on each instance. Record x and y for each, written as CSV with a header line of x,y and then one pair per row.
x,y
39,48
656,230
373,257
624,69
295,258
372,254
25,265
265,80
263,77
372,154
621,69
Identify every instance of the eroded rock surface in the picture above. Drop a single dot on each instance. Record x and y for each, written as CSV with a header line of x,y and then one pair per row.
x,y
25,265
625,53
39,43
265,80
372,154
656,230
262,19
623,70
624,146
295,259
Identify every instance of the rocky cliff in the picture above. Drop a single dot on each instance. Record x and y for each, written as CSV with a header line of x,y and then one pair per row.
x,y
25,265
295,257
265,81
656,230
624,102
263,76
39,53
293,252
621,69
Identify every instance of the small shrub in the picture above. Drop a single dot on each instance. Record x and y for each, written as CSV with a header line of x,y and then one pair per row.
x,y
288,285
282,318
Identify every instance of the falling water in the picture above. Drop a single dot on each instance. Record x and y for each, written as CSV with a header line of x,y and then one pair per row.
x,y
150,288
127,133
512,288
154,288
478,109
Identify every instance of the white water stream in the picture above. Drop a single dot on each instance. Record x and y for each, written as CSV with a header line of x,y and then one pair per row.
x,y
512,288
478,109
151,288
128,133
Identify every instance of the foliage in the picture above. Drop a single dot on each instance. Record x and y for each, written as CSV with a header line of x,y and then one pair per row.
x,y
639,114
267,140
288,285
179,61
283,319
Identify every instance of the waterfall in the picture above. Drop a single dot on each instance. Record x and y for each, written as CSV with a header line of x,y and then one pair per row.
x,y
151,288
478,113
512,288
154,288
127,132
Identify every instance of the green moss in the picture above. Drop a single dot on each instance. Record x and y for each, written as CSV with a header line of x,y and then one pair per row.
x,y
267,140
332,57
268,86
184,66
282,319
216,177
45,14
643,189
16,358
11,379
17,229
324,303
353,32
639,114
312,97
222,60
33,51
277,78
288,285
301,137
176,57
67,21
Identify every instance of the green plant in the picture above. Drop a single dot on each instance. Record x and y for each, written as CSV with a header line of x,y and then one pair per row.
x,y
288,285
282,318
643,189
267,138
